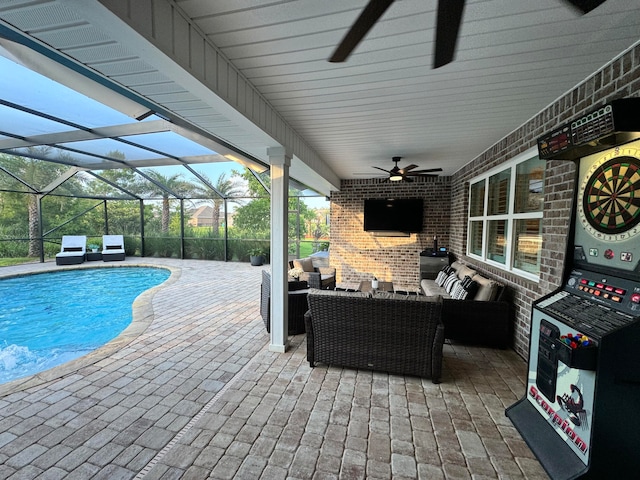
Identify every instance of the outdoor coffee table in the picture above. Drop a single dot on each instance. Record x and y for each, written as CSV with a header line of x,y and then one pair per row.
x,y
365,286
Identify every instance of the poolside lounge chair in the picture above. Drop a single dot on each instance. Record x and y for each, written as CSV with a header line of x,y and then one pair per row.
x,y
112,248
72,250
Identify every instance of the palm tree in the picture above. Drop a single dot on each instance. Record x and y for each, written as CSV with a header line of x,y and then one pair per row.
x,y
226,187
174,183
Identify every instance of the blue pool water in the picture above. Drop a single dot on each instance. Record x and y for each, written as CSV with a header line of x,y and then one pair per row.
x,y
50,318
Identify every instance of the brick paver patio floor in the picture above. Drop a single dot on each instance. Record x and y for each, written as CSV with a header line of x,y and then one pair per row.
x,y
192,392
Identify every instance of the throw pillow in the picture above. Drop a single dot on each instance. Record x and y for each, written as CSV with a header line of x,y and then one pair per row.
x,y
467,289
470,285
440,278
457,291
306,264
487,289
450,283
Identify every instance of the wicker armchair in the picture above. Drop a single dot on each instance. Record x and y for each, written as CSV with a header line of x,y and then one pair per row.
x,y
391,333
320,277
297,304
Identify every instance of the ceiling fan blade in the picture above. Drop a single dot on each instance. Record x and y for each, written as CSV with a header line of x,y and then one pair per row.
x,y
447,27
407,168
428,170
585,6
382,169
369,16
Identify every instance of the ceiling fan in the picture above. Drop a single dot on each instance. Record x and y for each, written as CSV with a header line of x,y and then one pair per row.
x,y
397,174
449,18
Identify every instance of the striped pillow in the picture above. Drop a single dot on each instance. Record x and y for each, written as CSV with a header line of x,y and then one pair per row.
x,y
457,290
450,282
440,278
468,289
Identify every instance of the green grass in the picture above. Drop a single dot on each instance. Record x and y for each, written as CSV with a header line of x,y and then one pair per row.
x,y
306,249
7,262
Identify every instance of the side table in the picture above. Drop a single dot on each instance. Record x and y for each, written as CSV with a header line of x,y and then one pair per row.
x,y
430,265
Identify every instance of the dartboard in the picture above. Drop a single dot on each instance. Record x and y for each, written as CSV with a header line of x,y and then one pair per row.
x,y
609,198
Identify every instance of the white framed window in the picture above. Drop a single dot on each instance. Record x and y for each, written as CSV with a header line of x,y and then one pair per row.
x,y
505,215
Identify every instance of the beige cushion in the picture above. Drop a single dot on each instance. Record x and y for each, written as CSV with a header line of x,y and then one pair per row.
x,y
306,264
431,288
411,298
487,289
456,265
465,271
337,293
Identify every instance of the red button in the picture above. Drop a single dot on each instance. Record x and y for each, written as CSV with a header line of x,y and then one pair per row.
x,y
609,288
600,285
620,291
597,293
583,281
635,298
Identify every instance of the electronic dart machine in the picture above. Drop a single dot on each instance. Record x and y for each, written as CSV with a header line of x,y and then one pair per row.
x,y
580,414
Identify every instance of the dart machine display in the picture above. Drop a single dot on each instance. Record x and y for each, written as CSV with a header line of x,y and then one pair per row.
x,y
579,412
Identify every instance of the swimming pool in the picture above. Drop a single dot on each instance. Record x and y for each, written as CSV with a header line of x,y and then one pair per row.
x,y
47,319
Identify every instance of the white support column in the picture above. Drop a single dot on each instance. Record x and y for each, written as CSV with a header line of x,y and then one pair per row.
x,y
280,161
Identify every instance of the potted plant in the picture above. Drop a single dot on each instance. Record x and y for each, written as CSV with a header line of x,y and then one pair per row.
x,y
93,247
256,255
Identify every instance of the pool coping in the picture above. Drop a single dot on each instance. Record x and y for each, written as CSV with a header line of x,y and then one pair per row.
x,y
142,317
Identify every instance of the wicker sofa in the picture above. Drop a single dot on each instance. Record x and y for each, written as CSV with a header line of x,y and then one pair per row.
x,y
483,318
386,332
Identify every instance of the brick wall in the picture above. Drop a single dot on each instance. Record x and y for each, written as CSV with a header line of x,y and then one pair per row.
x,y
619,79
357,254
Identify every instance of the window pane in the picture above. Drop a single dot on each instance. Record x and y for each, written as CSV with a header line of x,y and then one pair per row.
x,y
528,245
497,241
475,238
499,193
529,186
476,202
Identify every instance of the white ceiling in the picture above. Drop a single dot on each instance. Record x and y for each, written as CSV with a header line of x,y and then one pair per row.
x,y
514,58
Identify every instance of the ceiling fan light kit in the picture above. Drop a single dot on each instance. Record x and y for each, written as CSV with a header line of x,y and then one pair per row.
x,y
397,174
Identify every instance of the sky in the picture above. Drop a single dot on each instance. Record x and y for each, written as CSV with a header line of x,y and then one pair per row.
x,y
27,88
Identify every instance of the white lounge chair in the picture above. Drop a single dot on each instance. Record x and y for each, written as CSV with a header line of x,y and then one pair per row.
x,y
112,248
72,250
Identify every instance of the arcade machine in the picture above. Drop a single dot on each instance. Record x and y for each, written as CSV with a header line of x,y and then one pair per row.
x,y
580,413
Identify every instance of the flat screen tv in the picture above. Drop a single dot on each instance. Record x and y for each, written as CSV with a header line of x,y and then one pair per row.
x,y
393,215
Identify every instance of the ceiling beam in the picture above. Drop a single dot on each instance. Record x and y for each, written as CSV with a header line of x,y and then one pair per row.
x,y
138,128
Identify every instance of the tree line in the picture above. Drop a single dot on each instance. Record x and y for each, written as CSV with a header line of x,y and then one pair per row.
x,y
77,205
